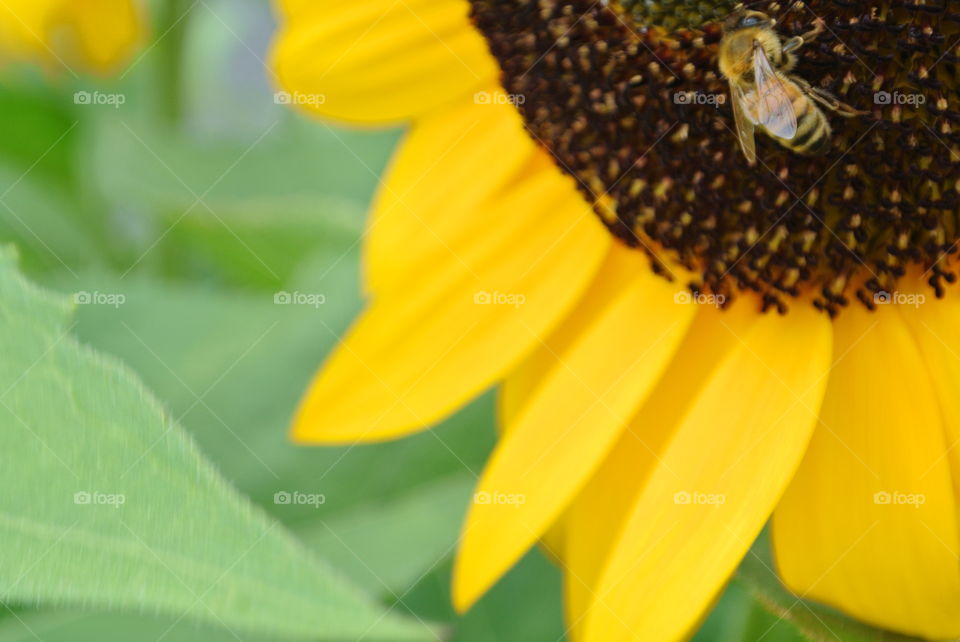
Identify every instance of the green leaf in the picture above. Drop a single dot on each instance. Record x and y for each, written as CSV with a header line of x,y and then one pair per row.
x,y
203,350
107,504
74,626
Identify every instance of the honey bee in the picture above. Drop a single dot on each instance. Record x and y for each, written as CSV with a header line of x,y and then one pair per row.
x,y
757,64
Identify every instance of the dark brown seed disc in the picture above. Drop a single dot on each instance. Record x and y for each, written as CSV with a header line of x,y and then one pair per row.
x,y
675,14
636,111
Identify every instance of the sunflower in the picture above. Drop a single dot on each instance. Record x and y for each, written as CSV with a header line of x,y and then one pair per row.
x,y
95,34
687,346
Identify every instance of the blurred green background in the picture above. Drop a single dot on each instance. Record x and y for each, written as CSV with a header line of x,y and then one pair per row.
x,y
199,199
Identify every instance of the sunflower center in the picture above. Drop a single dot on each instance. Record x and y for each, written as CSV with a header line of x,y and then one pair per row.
x,y
628,99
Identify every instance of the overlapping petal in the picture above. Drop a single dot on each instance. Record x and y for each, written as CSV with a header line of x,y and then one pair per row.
x,y
591,376
935,326
447,164
594,521
715,482
869,524
416,355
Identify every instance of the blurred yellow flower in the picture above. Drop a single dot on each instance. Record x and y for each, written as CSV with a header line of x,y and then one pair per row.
x,y
92,34
645,440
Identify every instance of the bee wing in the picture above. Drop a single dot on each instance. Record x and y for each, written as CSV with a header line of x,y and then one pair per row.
x,y
774,106
744,123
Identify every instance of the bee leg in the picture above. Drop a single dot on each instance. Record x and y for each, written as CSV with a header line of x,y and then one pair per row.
x,y
792,44
830,101
819,26
848,111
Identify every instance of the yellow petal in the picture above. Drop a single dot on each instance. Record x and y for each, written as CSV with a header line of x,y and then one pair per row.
x,y
448,165
380,61
935,326
594,520
105,31
95,33
287,9
416,355
594,373
869,523
716,480
24,27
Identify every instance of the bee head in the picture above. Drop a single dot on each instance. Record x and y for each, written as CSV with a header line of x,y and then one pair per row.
x,y
745,19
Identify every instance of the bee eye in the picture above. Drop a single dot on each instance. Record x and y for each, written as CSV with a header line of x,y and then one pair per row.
x,y
750,21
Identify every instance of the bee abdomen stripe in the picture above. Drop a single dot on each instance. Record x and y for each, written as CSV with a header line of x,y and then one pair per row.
x,y
812,134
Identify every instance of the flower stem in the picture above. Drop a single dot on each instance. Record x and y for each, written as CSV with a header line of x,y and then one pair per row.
x,y
173,24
